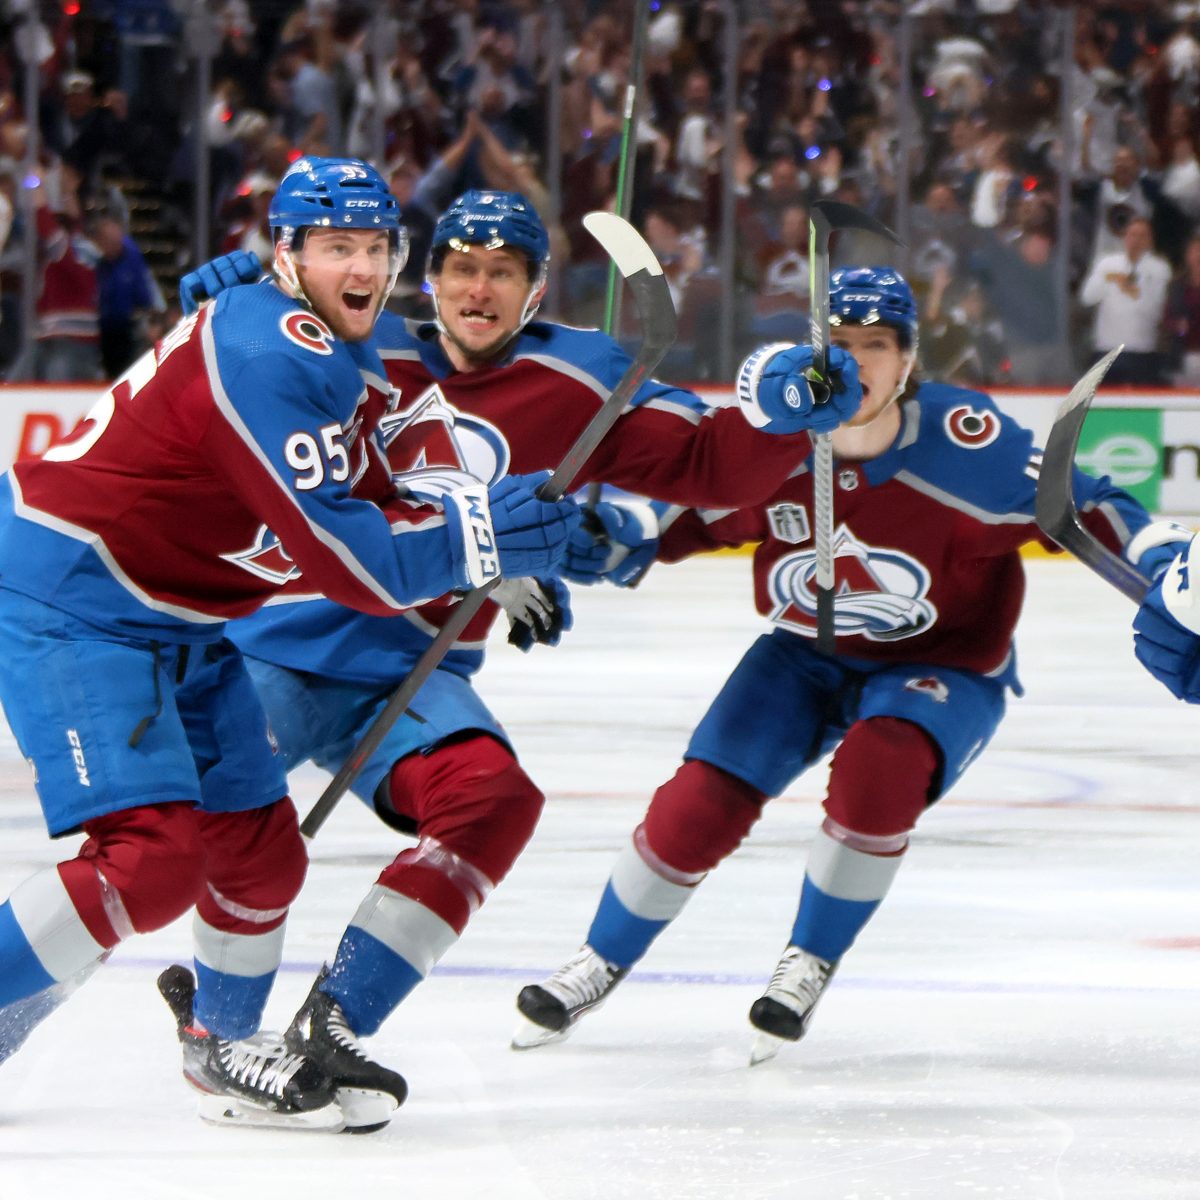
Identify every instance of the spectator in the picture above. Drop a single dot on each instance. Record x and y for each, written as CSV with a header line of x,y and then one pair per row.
x,y
998,184
1124,193
1181,166
1129,290
1021,287
781,305
962,341
66,339
495,84
82,132
1183,316
246,214
127,291
940,233
697,142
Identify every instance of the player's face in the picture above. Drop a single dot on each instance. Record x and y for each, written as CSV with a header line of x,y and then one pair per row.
x,y
881,365
345,273
481,297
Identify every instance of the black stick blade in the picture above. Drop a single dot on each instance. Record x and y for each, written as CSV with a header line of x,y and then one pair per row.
x,y
1054,508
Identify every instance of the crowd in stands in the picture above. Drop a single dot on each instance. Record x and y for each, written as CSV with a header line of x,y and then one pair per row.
x,y
449,94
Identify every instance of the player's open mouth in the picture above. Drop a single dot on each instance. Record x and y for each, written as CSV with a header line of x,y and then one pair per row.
x,y
478,318
358,301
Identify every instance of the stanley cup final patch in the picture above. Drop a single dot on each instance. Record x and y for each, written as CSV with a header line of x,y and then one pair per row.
x,y
789,522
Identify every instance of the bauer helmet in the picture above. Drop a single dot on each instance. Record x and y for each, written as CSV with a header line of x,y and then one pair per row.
x,y
493,220
874,296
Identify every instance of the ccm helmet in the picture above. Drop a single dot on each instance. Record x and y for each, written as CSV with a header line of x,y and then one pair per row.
x,y
333,193
874,296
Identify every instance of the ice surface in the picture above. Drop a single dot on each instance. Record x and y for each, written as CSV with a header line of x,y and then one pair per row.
x,y
1021,1019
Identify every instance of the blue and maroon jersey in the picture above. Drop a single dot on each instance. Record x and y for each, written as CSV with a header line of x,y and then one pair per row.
x,y
236,455
926,537
519,416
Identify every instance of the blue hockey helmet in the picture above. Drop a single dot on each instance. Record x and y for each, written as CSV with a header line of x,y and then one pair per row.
x,y
491,220
334,193
874,296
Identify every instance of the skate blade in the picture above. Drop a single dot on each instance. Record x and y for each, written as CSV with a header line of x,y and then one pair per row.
x,y
234,1111
528,1035
765,1047
365,1110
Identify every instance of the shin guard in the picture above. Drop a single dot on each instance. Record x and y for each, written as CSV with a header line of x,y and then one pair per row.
x,y
256,864
879,784
475,809
694,821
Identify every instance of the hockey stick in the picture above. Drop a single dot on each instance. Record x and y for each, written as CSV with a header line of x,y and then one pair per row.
x,y
1054,508
826,216
640,269
626,160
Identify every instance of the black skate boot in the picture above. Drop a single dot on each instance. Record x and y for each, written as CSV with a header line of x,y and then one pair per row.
x,y
258,1081
552,1007
367,1092
783,1012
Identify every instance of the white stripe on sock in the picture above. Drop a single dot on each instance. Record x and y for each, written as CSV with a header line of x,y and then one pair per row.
x,y
848,874
643,891
407,928
60,939
248,954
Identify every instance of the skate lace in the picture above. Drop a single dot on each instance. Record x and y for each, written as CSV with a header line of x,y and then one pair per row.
x,y
582,980
340,1032
799,976
263,1063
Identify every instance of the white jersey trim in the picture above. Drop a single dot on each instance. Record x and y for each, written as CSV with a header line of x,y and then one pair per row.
x,y
340,550
77,533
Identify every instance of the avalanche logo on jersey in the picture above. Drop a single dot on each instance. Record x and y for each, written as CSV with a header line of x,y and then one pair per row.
x,y
432,432
878,593
931,686
307,332
266,558
972,428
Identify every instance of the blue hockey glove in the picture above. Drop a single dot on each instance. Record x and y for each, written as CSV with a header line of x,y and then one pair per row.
x,y
539,611
1156,546
1164,630
1166,649
531,534
776,396
616,543
209,279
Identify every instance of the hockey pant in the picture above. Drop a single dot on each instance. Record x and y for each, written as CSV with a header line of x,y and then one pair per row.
x,y
474,809
139,870
702,814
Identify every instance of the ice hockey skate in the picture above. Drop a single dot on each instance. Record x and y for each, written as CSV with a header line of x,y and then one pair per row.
x,y
783,1012
368,1093
550,1009
256,1082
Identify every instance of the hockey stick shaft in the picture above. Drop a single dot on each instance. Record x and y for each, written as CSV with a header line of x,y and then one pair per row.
x,y
626,160
1055,510
825,217
637,264
818,282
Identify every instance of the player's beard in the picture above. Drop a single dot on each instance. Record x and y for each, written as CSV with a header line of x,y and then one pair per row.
x,y
481,357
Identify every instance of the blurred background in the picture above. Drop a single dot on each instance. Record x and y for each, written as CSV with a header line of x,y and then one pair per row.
x,y
1014,145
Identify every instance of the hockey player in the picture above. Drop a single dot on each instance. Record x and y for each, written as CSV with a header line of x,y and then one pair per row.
x,y
487,387
123,553
934,497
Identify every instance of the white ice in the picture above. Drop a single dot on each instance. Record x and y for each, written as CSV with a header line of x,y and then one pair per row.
x,y
1021,1019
